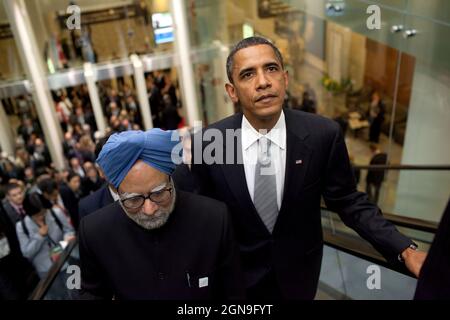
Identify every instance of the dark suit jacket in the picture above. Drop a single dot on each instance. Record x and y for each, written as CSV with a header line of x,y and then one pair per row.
x,y
294,249
434,278
17,275
120,258
97,200
377,176
70,201
12,213
184,179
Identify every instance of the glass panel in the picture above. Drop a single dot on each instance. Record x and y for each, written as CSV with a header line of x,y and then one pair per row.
x,y
424,194
396,4
397,192
344,276
335,63
436,9
207,21
210,78
109,30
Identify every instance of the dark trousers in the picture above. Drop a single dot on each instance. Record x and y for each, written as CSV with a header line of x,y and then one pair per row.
x,y
373,191
265,289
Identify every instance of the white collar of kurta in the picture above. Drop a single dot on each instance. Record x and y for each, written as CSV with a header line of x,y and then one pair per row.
x,y
114,195
277,135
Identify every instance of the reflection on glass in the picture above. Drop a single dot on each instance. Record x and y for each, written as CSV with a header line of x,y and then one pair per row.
x,y
386,91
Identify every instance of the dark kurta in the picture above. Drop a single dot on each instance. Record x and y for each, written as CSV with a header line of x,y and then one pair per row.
x,y
119,258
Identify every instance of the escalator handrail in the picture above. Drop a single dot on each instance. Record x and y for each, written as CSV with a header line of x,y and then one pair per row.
x,y
379,167
404,221
345,245
354,248
44,285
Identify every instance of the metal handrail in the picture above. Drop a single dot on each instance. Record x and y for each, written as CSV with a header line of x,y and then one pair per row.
x,y
375,167
408,222
44,285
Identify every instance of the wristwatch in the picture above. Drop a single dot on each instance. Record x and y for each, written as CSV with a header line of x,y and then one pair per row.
x,y
411,246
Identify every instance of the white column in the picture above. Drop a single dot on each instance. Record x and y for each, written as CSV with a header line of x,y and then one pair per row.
x,y
6,134
225,104
183,52
32,61
141,90
90,75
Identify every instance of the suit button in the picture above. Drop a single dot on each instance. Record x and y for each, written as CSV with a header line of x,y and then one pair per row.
x,y
161,276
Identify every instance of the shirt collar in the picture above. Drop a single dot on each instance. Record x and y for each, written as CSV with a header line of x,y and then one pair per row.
x,y
277,135
16,207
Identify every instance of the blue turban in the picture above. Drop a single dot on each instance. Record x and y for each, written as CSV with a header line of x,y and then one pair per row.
x,y
122,150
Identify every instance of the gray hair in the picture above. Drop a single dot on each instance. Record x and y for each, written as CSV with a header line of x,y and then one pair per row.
x,y
245,43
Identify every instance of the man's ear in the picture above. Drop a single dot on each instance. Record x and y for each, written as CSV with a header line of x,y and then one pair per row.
x,y
231,92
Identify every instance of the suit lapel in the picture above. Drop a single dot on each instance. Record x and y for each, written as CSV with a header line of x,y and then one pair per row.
x,y
297,160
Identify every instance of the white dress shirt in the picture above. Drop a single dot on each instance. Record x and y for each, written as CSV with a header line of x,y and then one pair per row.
x,y
277,136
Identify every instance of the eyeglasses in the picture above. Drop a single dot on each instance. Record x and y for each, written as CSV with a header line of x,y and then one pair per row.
x,y
157,197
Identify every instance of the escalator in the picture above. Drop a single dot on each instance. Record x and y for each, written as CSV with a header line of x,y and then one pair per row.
x,y
351,267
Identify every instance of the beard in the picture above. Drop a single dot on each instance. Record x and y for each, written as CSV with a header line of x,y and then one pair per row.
x,y
154,221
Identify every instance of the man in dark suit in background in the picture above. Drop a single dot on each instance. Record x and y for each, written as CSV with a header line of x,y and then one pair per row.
x,y
284,161
17,276
13,202
100,198
375,178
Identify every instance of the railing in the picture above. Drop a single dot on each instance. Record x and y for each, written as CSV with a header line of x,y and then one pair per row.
x,y
45,284
349,242
382,167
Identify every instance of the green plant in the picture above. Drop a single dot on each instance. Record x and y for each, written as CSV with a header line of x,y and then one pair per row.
x,y
334,86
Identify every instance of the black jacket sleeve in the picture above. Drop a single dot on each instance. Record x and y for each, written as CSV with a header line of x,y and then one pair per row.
x,y
354,208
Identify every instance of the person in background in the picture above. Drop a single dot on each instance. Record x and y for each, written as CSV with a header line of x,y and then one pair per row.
x,y
17,275
13,202
374,177
75,166
41,231
377,110
92,182
103,196
70,194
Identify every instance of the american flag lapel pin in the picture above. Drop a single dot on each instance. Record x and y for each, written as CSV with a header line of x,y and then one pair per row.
x,y
300,161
